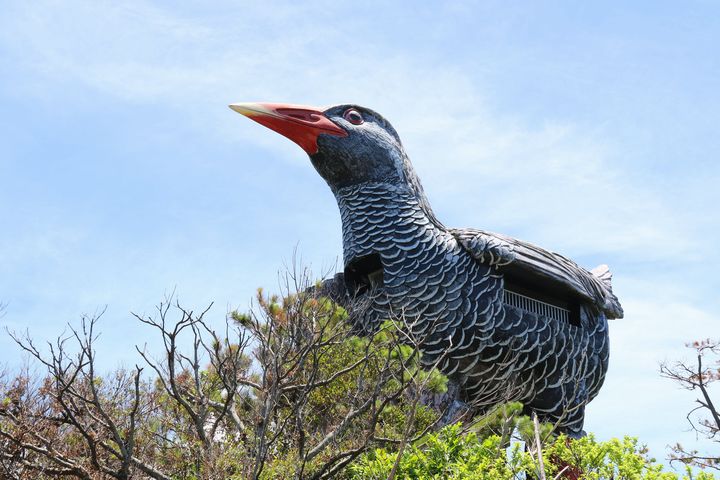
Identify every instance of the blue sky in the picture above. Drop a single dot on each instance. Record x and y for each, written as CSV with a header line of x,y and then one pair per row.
x,y
589,128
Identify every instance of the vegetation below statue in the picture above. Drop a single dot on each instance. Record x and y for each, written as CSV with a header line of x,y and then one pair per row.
x,y
285,391
450,454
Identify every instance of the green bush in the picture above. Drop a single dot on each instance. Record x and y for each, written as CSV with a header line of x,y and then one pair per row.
x,y
452,454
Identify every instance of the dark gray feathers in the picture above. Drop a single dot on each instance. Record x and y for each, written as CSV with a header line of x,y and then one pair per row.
x,y
511,254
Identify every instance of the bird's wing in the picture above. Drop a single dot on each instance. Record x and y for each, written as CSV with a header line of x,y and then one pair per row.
x,y
525,260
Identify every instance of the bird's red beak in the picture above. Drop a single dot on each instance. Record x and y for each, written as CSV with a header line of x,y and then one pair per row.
x,y
301,124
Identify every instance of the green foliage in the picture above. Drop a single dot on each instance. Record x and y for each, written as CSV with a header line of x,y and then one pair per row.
x,y
452,454
502,420
307,348
448,454
616,458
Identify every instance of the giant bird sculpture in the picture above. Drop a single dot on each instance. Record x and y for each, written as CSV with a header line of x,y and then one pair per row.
x,y
504,319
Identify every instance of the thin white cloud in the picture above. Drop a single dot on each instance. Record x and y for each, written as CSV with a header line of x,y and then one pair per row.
x,y
529,172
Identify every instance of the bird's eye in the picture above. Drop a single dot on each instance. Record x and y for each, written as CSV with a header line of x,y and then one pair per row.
x,y
353,116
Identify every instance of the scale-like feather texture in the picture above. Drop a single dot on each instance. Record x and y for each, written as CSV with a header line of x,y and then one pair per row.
x,y
455,303
531,260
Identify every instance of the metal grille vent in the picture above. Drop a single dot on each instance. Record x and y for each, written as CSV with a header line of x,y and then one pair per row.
x,y
537,307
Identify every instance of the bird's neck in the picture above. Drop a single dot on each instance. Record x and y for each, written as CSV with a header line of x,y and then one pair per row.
x,y
374,213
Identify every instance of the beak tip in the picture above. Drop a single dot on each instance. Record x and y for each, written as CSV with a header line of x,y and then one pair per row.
x,y
250,109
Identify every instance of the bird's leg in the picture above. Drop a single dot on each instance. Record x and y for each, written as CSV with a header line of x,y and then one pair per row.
x,y
453,409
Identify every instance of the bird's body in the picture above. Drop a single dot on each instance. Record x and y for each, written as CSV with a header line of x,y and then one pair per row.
x,y
455,304
505,320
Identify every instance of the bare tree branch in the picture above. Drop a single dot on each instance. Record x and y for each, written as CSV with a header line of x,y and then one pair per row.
x,y
698,377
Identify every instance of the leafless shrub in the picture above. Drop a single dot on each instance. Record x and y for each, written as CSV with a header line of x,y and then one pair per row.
x,y
286,389
704,418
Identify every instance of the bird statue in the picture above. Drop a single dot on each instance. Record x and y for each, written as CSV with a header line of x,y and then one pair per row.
x,y
502,318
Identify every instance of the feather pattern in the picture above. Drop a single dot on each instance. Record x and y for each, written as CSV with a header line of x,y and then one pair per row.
x,y
531,260
449,287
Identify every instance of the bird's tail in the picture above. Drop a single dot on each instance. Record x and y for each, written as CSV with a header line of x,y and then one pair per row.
x,y
603,273
612,306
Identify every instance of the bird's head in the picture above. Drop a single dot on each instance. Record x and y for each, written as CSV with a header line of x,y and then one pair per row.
x,y
347,144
